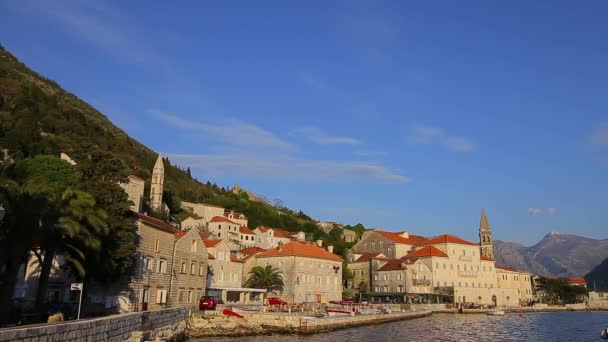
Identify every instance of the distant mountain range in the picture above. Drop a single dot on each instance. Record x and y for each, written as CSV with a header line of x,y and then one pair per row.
x,y
557,254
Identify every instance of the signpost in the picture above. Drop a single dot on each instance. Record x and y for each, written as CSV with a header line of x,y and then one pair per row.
x,y
78,287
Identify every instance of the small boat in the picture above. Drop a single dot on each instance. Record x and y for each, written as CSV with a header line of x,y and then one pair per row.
x,y
496,313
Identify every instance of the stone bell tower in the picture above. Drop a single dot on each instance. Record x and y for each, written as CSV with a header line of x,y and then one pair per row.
x,y
485,236
156,185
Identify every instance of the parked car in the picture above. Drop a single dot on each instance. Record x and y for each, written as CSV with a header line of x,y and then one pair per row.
x,y
276,301
207,303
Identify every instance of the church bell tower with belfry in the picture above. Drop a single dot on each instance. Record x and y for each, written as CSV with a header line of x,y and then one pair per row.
x,y
157,184
485,237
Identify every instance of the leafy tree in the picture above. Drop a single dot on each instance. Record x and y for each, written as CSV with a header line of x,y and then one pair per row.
x,y
268,278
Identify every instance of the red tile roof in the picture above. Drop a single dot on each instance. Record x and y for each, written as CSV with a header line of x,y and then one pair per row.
x,y
252,250
277,232
448,238
180,234
429,251
245,230
156,222
209,256
393,265
300,249
366,256
506,268
136,178
221,219
211,243
485,258
577,281
234,258
395,237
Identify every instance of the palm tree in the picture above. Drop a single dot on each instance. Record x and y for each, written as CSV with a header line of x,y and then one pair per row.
x,y
268,278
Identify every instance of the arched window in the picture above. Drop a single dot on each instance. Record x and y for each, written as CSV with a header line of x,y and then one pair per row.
x,y
157,245
193,246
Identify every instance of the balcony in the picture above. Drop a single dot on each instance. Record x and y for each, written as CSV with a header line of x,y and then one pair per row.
x,y
467,258
469,274
421,282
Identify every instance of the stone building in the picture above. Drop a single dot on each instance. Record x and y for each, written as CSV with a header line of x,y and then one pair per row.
x,y
171,269
202,210
310,273
134,188
239,218
457,269
224,228
485,236
225,279
194,222
268,238
246,237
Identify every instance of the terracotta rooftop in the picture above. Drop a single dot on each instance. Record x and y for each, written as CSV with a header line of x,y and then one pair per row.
x,y
448,238
395,237
429,251
577,281
180,233
136,178
245,230
156,222
234,258
211,243
252,250
277,232
485,258
393,265
366,256
209,256
506,268
221,219
300,249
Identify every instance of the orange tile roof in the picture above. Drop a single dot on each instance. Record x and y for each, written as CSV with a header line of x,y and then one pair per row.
x,y
393,265
180,234
252,250
221,219
246,230
277,232
136,178
234,258
578,281
211,243
156,222
300,249
506,268
448,238
209,256
485,258
429,251
395,237
366,256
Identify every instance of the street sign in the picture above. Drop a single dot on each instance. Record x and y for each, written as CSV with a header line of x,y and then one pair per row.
x,y
77,287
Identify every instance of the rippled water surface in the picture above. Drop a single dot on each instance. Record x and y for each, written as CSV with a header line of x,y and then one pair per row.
x,y
559,326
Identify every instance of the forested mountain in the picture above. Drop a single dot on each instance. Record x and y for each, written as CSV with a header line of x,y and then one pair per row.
x,y
557,254
37,116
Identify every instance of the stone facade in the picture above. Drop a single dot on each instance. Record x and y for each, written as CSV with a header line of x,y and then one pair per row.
x,y
167,324
224,228
157,185
205,211
189,269
135,190
310,274
269,238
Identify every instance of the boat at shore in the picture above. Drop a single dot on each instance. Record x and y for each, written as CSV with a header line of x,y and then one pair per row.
x,y
496,313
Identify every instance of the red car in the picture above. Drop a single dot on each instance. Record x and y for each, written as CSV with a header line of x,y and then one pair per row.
x,y
276,301
207,303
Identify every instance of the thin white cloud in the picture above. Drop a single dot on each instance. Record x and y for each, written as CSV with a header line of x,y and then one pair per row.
x,y
230,131
599,137
424,134
317,136
535,211
285,167
551,211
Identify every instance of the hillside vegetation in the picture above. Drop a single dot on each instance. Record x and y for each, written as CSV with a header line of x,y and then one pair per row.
x,y
37,116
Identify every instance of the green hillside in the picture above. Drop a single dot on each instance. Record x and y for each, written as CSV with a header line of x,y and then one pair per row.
x,y
37,116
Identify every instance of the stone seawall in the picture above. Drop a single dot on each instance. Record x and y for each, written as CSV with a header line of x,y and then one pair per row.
x,y
168,324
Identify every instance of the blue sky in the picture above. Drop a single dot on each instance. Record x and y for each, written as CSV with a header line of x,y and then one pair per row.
x,y
399,115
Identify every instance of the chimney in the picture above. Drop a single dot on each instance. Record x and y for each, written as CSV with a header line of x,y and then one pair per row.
x,y
280,246
330,249
320,243
404,235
